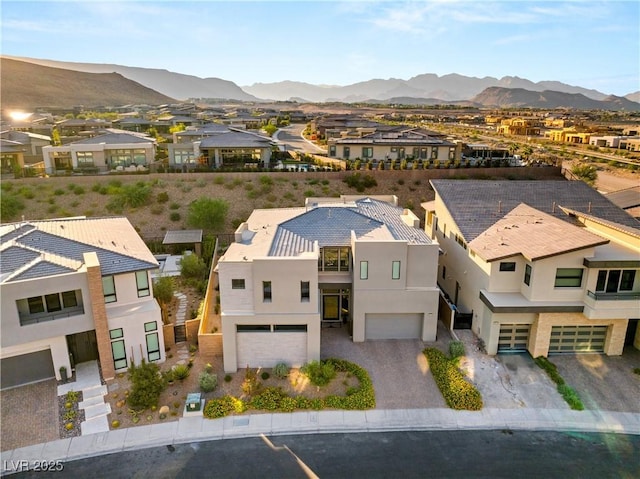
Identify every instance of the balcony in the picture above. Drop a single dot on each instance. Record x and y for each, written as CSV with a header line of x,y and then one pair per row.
x,y
619,296
28,319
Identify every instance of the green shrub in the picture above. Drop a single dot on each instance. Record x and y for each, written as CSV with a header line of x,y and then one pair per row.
x,y
216,408
457,392
636,370
10,206
320,373
567,393
269,399
58,192
218,180
456,349
162,197
207,381
72,396
228,378
360,182
265,375
362,397
157,209
192,266
550,369
79,190
174,206
146,385
174,216
181,371
281,370
571,397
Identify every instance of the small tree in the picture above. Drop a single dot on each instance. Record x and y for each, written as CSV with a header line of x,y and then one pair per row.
x,y
586,173
163,289
207,213
192,267
147,385
270,129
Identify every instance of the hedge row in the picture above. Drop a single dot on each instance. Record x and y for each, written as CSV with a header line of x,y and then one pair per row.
x,y
275,399
457,392
567,392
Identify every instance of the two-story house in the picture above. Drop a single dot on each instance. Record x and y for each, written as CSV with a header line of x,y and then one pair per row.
x,y
542,266
75,290
359,262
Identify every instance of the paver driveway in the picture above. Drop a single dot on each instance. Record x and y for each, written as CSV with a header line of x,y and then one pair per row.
x,y
29,415
398,368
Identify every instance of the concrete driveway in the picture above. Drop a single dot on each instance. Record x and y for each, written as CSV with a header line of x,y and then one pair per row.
x,y
603,382
398,368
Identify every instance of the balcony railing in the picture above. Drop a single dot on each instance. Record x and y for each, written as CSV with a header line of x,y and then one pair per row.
x,y
27,319
629,296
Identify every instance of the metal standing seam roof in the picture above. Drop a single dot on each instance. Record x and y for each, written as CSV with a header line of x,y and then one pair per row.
x,y
113,139
235,139
331,225
475,205
182,237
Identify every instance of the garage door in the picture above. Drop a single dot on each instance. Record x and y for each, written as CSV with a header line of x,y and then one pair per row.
x,y
393,326
513,337
26,368
577,339
270,348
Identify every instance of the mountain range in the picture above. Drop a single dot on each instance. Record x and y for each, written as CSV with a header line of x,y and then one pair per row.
x,y
18,83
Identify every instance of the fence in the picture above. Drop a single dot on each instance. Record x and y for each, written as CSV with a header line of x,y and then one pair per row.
x,y
210,334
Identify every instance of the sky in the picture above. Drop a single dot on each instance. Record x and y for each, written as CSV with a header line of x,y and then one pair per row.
x,y
592,44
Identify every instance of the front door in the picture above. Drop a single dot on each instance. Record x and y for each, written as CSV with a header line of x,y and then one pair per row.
x,y
83,346
331,307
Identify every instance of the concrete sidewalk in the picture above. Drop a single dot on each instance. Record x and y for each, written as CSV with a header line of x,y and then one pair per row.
x,y
195,429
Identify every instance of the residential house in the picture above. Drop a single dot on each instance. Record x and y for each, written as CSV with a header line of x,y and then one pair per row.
x,y
20,148
219,146
115,150
75,290
541,266
394,144
362,263
519,126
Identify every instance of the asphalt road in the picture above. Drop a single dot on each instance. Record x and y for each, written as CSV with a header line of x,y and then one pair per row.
x,y
447,454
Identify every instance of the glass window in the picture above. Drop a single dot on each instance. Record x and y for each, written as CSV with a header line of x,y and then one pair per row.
x,y
615,280
237,284
35,305
85,159
602,280
367,152
332,150
142,281
266,291
568,278
53,302
151,326
290,327
346,152
508,266
253,328
69,299
109,289
344,259
444,272
116,333
304,291
364,270
119,354
527,274
434,152
628,278
330,259
153,347
395,270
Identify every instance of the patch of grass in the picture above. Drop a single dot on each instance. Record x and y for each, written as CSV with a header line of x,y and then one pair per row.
x,y
457,391
566,391
174,206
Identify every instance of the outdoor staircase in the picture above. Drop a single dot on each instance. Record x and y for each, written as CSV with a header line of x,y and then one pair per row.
x,y
179,328
95,410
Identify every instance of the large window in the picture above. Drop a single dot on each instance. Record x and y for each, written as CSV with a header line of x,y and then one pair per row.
x,y
118,349
568,277
614,280
395,270
142,282
527,275
346,151
183,157
109,289
332,150
53,302
305,291
36,305
367,152
434,152
334,259
153,344
237,284
85,159
364,270
49,307
266,291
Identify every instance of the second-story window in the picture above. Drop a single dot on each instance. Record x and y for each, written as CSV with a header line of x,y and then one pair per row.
x,y
614,280
109,289
305,291
364,270
507,266
395,270
568,278
527,275
237,284
266,291
142,282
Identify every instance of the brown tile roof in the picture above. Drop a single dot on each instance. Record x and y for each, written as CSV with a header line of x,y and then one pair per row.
x,y
533,234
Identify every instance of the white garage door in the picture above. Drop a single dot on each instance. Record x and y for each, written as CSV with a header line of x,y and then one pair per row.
x,y
393,326
266,349
513,337
26,368
577,339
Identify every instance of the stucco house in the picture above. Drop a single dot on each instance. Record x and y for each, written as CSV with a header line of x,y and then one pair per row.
x,y
218,146
114,150
542,266
75,290
362,263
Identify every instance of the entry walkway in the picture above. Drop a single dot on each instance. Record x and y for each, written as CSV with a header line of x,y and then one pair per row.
x,y
195,429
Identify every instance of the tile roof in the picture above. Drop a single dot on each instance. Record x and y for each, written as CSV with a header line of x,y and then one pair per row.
x,y
235,139
476,205
54,246
535,235
627,198
114,139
